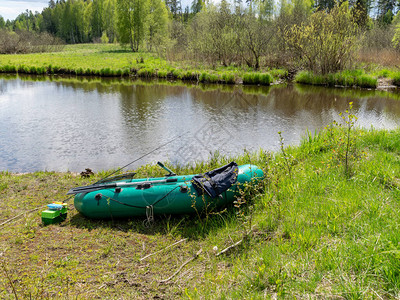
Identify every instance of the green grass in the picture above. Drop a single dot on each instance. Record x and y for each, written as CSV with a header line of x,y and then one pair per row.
x,y
314,234
109,60
257,78
354,78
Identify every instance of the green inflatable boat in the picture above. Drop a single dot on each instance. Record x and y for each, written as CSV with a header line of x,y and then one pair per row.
x,y
121,197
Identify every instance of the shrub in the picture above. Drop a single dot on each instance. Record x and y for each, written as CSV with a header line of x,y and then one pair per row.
x,y
27,42
146,72
366,81
8,69
266,79
257,78
162,74
228,78
327,43
396,79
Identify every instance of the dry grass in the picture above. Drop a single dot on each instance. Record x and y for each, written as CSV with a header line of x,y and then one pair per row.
x,y
383,57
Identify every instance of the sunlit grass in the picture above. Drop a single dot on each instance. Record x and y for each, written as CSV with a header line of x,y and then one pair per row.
x,y
315,233
346,79
109,60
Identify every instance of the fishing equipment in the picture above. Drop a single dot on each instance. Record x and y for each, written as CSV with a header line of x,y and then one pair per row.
x,y
171,194
55,213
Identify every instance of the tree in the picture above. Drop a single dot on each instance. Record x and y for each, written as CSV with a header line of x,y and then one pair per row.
x,y
131,22
175,7
109,19
253,39
325,5
327,43
386,9
96,21
213,34
2,23
157,23
360,12
197,6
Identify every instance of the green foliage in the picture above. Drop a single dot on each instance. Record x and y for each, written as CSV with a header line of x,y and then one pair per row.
x,y
316,233
140,20
228,78
396,37
345,78
257,78
104,38
396,78
146,72
327,43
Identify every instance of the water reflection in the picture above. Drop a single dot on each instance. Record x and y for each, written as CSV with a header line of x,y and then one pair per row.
x,y
72,123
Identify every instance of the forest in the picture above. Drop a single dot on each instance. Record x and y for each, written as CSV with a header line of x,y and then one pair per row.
x,y
323,36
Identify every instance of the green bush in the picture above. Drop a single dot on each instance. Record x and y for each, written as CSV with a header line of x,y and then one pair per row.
x,y
346,78
146,72
366,81
266,79
278,73
162,74
396,79
257,78
8,69
228,78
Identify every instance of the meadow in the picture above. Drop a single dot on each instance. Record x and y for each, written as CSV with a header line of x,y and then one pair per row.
x,y
323,224
111,60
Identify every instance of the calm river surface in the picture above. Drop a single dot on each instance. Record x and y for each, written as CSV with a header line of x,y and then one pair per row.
x,y
70,124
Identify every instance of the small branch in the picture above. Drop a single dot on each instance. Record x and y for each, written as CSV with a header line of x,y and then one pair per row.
x,y
176,243
9,280
181,267
230,247
17,216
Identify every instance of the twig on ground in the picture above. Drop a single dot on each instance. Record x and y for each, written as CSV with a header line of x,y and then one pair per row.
x,y
9,280
229,248
17,216
181,267
176,243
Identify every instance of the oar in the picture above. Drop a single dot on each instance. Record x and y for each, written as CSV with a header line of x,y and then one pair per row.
x,y
166,169
96,187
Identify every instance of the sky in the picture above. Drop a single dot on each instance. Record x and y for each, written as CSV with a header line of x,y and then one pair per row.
x,y
10,9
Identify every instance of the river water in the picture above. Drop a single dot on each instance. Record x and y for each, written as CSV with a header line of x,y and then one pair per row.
x,y
69,124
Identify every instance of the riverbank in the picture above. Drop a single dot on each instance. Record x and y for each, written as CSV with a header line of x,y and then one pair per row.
x,y
315,230
110,60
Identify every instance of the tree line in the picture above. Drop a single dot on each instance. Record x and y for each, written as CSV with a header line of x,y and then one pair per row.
x,y
320,35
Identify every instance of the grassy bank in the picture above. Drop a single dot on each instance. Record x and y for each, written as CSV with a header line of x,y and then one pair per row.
x,y
108,60
320,228
356,78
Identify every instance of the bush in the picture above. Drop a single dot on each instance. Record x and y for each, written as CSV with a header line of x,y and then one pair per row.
x,y
146,72
228,78
347,79
366,81
27,42
162,74
257,78
327,43
8,69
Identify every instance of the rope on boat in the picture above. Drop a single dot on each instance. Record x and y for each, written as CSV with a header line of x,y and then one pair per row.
x,y
136,206
149,208
149,216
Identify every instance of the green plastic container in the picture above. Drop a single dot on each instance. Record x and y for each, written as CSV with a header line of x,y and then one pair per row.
x,y
56,213
177,196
